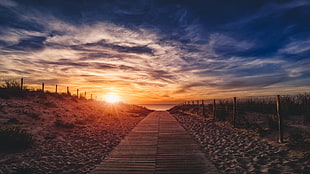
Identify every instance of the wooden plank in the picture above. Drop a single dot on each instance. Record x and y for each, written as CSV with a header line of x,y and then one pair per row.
x,y
158,144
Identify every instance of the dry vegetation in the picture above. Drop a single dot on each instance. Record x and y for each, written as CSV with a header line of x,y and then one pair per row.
x,y
58,133
259,114
252,146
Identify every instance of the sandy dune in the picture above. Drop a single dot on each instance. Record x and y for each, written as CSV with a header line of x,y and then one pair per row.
x,y
91,131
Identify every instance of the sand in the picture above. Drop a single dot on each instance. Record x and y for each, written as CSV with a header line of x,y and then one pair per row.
x,y
98,128
242,151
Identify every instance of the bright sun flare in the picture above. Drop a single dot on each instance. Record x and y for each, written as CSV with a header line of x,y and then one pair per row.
x,y
112,98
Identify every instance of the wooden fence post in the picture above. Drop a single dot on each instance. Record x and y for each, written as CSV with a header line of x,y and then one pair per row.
x,y
56,90
85,94
43,87
21,83
234,111
198,104
68,92
77,93
280,131
91,96
203,108
214,109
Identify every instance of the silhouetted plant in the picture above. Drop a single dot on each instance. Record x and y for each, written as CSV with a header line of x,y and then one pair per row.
x,y
15,138
10,88
10,84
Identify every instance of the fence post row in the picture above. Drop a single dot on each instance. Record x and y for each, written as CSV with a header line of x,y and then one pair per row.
x,y
278,107
21,87
234,114
280,131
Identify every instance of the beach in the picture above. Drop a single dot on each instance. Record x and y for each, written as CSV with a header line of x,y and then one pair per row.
x,y
70,135
242,151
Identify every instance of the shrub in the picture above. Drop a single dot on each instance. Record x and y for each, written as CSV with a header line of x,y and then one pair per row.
x,y
15,138
10,88
10,84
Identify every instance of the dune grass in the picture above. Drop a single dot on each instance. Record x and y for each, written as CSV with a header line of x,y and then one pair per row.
x,y
13,138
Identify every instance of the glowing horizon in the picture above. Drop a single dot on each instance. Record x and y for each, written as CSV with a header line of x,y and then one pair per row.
x,y
200,51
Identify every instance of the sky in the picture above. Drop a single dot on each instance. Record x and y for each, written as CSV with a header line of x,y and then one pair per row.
x,y
158,51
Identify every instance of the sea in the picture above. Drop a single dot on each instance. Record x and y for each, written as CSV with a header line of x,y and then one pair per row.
x,y
158,107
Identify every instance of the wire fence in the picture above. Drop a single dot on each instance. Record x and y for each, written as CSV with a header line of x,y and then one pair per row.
x,y
286,116
43,87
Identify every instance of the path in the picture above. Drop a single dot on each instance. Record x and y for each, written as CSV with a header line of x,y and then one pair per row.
x,y
158,144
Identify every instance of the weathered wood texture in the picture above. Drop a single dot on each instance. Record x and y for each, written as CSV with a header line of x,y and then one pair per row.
x,y
158,144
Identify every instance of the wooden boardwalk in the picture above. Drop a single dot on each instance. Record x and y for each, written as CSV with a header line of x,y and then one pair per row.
x,y
158,144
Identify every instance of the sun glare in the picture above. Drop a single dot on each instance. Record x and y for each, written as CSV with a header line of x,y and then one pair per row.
x,y
112,98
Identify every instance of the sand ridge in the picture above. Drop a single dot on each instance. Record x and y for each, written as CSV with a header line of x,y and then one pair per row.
x,y
97,128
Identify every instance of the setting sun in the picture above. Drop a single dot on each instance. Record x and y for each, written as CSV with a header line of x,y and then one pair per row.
x,y
112,98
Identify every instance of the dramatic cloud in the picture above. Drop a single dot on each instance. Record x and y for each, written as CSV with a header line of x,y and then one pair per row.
x,y
158,51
